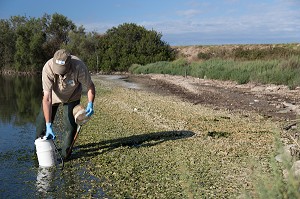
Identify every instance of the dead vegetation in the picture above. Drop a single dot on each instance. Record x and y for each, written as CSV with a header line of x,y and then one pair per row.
x,y
198,53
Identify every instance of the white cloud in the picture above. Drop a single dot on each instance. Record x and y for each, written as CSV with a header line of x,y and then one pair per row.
x,y
280,19
188,13
98,27
270,18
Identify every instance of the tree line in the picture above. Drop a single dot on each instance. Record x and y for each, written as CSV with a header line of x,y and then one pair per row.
x,y
27,43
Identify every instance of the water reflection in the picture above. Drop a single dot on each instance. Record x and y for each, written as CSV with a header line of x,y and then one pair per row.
x,y
20,99
44,180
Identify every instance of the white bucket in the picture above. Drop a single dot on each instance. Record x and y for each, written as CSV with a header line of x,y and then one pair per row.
x,y
45,151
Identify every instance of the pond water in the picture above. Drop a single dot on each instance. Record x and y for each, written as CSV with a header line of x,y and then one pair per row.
x,y
20,175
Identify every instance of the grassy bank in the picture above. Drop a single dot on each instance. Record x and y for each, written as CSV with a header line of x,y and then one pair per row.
x,y
259,71
142,145
260,64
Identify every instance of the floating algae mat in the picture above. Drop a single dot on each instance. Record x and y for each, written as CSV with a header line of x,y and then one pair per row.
x,y
142,145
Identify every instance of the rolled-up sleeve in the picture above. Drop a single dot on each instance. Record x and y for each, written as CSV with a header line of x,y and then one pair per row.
x,y
84,76
47,81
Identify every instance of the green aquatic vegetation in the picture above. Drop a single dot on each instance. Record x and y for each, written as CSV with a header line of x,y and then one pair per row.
x,y
218,134
142,145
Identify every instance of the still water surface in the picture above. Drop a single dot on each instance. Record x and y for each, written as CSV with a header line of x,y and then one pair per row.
x,y
20,176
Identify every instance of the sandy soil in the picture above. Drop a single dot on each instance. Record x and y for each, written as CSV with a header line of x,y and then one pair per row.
x,y
277,102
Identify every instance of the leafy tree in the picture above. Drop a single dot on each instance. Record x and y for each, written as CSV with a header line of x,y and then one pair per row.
x,y
76,38
29,52
36,44
130,44
17,21
21,57
84,46
89,47
8,39
57,31
26,44
22,35
7,44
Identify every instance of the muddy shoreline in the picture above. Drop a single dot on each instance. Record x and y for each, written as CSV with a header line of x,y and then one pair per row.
x,y
277,102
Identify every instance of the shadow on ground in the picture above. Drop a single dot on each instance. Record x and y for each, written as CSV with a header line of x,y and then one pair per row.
x,y
143,140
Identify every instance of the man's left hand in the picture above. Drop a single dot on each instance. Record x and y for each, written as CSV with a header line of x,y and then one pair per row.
x,y
89,109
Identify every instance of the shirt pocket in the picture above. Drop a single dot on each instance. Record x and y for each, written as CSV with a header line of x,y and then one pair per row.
x,y
70,82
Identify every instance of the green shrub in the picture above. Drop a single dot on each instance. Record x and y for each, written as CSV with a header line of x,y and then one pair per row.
x,y
204,56
248,52
178,67
266,53
292,63
133,67
130,44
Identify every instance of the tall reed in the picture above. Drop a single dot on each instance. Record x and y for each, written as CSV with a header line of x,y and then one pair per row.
x,y
284,71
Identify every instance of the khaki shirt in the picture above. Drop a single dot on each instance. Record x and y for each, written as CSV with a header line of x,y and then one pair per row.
x,y
66,88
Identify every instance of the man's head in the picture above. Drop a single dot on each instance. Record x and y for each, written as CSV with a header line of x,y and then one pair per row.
x,y
61,62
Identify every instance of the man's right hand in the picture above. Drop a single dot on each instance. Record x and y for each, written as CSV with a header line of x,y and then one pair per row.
x,y
49,132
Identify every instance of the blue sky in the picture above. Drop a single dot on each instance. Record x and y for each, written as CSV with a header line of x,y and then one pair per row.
x,y
181,22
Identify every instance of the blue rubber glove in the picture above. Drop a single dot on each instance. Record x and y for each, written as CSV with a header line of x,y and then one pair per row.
x,y
89,109
49,132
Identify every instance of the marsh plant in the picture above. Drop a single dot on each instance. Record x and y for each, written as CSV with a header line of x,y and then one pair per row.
x,y
277,71
281,182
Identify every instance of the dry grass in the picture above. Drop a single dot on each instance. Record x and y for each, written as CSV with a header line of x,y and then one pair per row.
x,y
191,53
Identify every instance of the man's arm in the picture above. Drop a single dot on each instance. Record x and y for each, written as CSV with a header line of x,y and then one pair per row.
x,y
47,106
91,93
91,96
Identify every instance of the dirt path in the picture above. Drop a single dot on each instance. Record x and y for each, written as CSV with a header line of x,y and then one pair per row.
x,y
272,101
